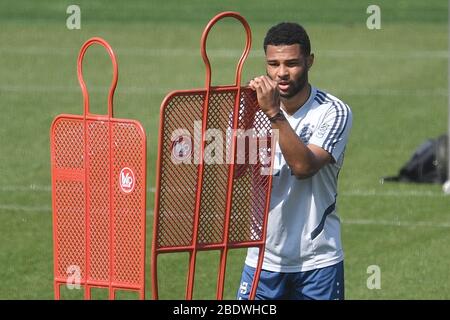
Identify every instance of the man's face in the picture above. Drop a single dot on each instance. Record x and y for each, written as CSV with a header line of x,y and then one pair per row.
x,y
288,67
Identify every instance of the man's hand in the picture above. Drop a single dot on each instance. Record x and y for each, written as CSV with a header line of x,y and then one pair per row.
x,y
267,93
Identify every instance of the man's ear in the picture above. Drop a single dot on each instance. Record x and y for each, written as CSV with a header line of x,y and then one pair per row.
x,y
310,61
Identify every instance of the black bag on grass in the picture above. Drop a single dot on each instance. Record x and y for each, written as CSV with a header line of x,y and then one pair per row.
x,y
428,163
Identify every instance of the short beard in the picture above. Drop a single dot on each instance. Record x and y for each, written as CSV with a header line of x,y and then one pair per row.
x,y
297,86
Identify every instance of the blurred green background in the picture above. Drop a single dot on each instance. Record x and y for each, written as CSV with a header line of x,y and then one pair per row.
x,y
394,79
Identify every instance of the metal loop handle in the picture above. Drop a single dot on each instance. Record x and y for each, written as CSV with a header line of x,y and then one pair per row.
x,y
112,88
244,54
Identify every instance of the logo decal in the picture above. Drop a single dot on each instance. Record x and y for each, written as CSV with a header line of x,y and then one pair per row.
x,y
322,130
126,180
306,133
243,288
181,148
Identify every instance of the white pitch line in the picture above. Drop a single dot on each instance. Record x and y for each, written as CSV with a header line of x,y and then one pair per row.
x,y
13,207
231,53
391,92
38,209
39,188
160,90
392,193
350,193
76,89
397,223
391,223
31,187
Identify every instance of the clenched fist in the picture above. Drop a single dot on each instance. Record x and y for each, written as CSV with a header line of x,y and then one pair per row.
x,y
267,94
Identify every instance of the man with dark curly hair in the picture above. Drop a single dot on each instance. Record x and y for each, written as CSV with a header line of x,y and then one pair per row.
x,y
304,256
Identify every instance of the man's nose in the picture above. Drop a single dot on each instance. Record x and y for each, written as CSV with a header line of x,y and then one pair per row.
x,y
282,72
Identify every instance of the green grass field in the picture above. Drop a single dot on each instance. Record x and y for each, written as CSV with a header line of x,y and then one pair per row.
x,y
394,79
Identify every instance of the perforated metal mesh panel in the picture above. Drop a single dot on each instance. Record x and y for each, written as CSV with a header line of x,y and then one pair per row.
x,y
251,183
69,199
128,208
212,192
98,226
178,180
98,206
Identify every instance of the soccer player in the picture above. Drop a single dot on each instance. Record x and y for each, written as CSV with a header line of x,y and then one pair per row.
x,y
304,256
